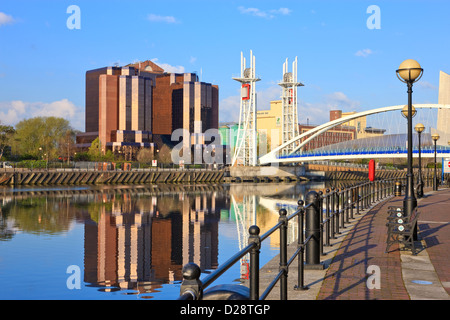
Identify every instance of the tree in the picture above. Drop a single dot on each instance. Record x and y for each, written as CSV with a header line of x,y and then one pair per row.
x,y
165,154
6,134
41,136
95,154
67,145
145,155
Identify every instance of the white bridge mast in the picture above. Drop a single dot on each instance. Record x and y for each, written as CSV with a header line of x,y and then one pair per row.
x,y
245,153
289,118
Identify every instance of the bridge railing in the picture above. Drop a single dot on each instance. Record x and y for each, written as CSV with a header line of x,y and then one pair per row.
x,y
319,219
365,151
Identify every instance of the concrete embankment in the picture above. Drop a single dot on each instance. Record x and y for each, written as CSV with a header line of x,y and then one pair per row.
x,y
316,172
74,177
307,172
233,174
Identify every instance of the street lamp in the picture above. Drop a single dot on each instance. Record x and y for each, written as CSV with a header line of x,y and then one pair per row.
x,y
419,129
435,138
409,72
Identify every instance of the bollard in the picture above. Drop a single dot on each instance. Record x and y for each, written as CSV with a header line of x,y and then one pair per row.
x,y
398,189
313,230
254,262
191,287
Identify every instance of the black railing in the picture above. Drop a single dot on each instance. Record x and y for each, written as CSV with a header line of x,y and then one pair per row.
x,y
320,218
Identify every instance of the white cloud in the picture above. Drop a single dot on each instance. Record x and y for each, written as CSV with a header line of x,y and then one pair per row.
x,y
12,112
264,14
363,53
427,85
319,112
229,109
282,11
5,19
157,18
169,68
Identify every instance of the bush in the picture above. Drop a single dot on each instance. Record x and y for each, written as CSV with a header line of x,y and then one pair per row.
x,y
32,164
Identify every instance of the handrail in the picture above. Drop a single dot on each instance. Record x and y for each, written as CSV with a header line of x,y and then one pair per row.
x,y
337,205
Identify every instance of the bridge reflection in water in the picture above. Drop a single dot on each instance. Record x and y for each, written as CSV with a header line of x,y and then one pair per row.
x,y
137,239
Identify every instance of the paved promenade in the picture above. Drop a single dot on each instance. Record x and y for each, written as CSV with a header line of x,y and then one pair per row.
x,y
360,248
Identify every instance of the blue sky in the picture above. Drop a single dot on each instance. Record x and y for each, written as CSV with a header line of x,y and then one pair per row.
x,y
343,64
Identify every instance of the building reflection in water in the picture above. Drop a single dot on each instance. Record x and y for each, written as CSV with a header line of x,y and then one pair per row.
x,y
141,243
138,238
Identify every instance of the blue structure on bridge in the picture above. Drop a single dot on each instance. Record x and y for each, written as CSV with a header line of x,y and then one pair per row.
x,y
389,146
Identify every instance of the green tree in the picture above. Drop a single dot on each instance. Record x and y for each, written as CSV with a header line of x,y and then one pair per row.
x,y
41,136
6,134
94,151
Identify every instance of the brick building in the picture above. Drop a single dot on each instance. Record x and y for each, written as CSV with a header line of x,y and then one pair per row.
x,y
134,105
335,135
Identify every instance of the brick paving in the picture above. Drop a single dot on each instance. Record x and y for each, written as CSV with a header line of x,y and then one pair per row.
x,y
364,246
434,227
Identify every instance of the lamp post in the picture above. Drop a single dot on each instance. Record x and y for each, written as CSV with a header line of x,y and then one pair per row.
x,y
419,129
409,72
435,138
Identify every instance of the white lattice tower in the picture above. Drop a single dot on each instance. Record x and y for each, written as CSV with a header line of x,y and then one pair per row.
x,y
245,213
246,152
289,118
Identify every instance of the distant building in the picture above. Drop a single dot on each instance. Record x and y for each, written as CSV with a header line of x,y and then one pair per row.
x,y
443,115
269,123
360,124
130,106
269,126
335,135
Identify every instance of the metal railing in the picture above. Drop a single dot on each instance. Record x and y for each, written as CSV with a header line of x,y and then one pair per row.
x,y
320,218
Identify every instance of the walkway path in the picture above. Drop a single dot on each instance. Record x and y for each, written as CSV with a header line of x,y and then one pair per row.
x,y
360,250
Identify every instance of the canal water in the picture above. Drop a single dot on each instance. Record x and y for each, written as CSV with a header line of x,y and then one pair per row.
x,y
131,241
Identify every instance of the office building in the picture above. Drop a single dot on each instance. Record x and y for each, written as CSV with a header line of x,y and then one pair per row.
x,y
128,106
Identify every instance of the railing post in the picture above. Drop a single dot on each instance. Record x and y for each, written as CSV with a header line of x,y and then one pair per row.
x,y
333,212
367,199
337,213
300,245
327,216
191,284
347,205
313,231
343,208
254,262
351,201
321,221
378,190
283,253
358,199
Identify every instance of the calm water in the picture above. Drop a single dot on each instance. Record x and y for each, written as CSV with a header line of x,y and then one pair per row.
x,y
130,242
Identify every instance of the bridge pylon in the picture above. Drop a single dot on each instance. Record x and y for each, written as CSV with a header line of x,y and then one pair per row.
x,y
246,151
289,101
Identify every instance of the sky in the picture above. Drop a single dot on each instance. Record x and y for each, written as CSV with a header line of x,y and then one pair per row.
x,y
347,52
